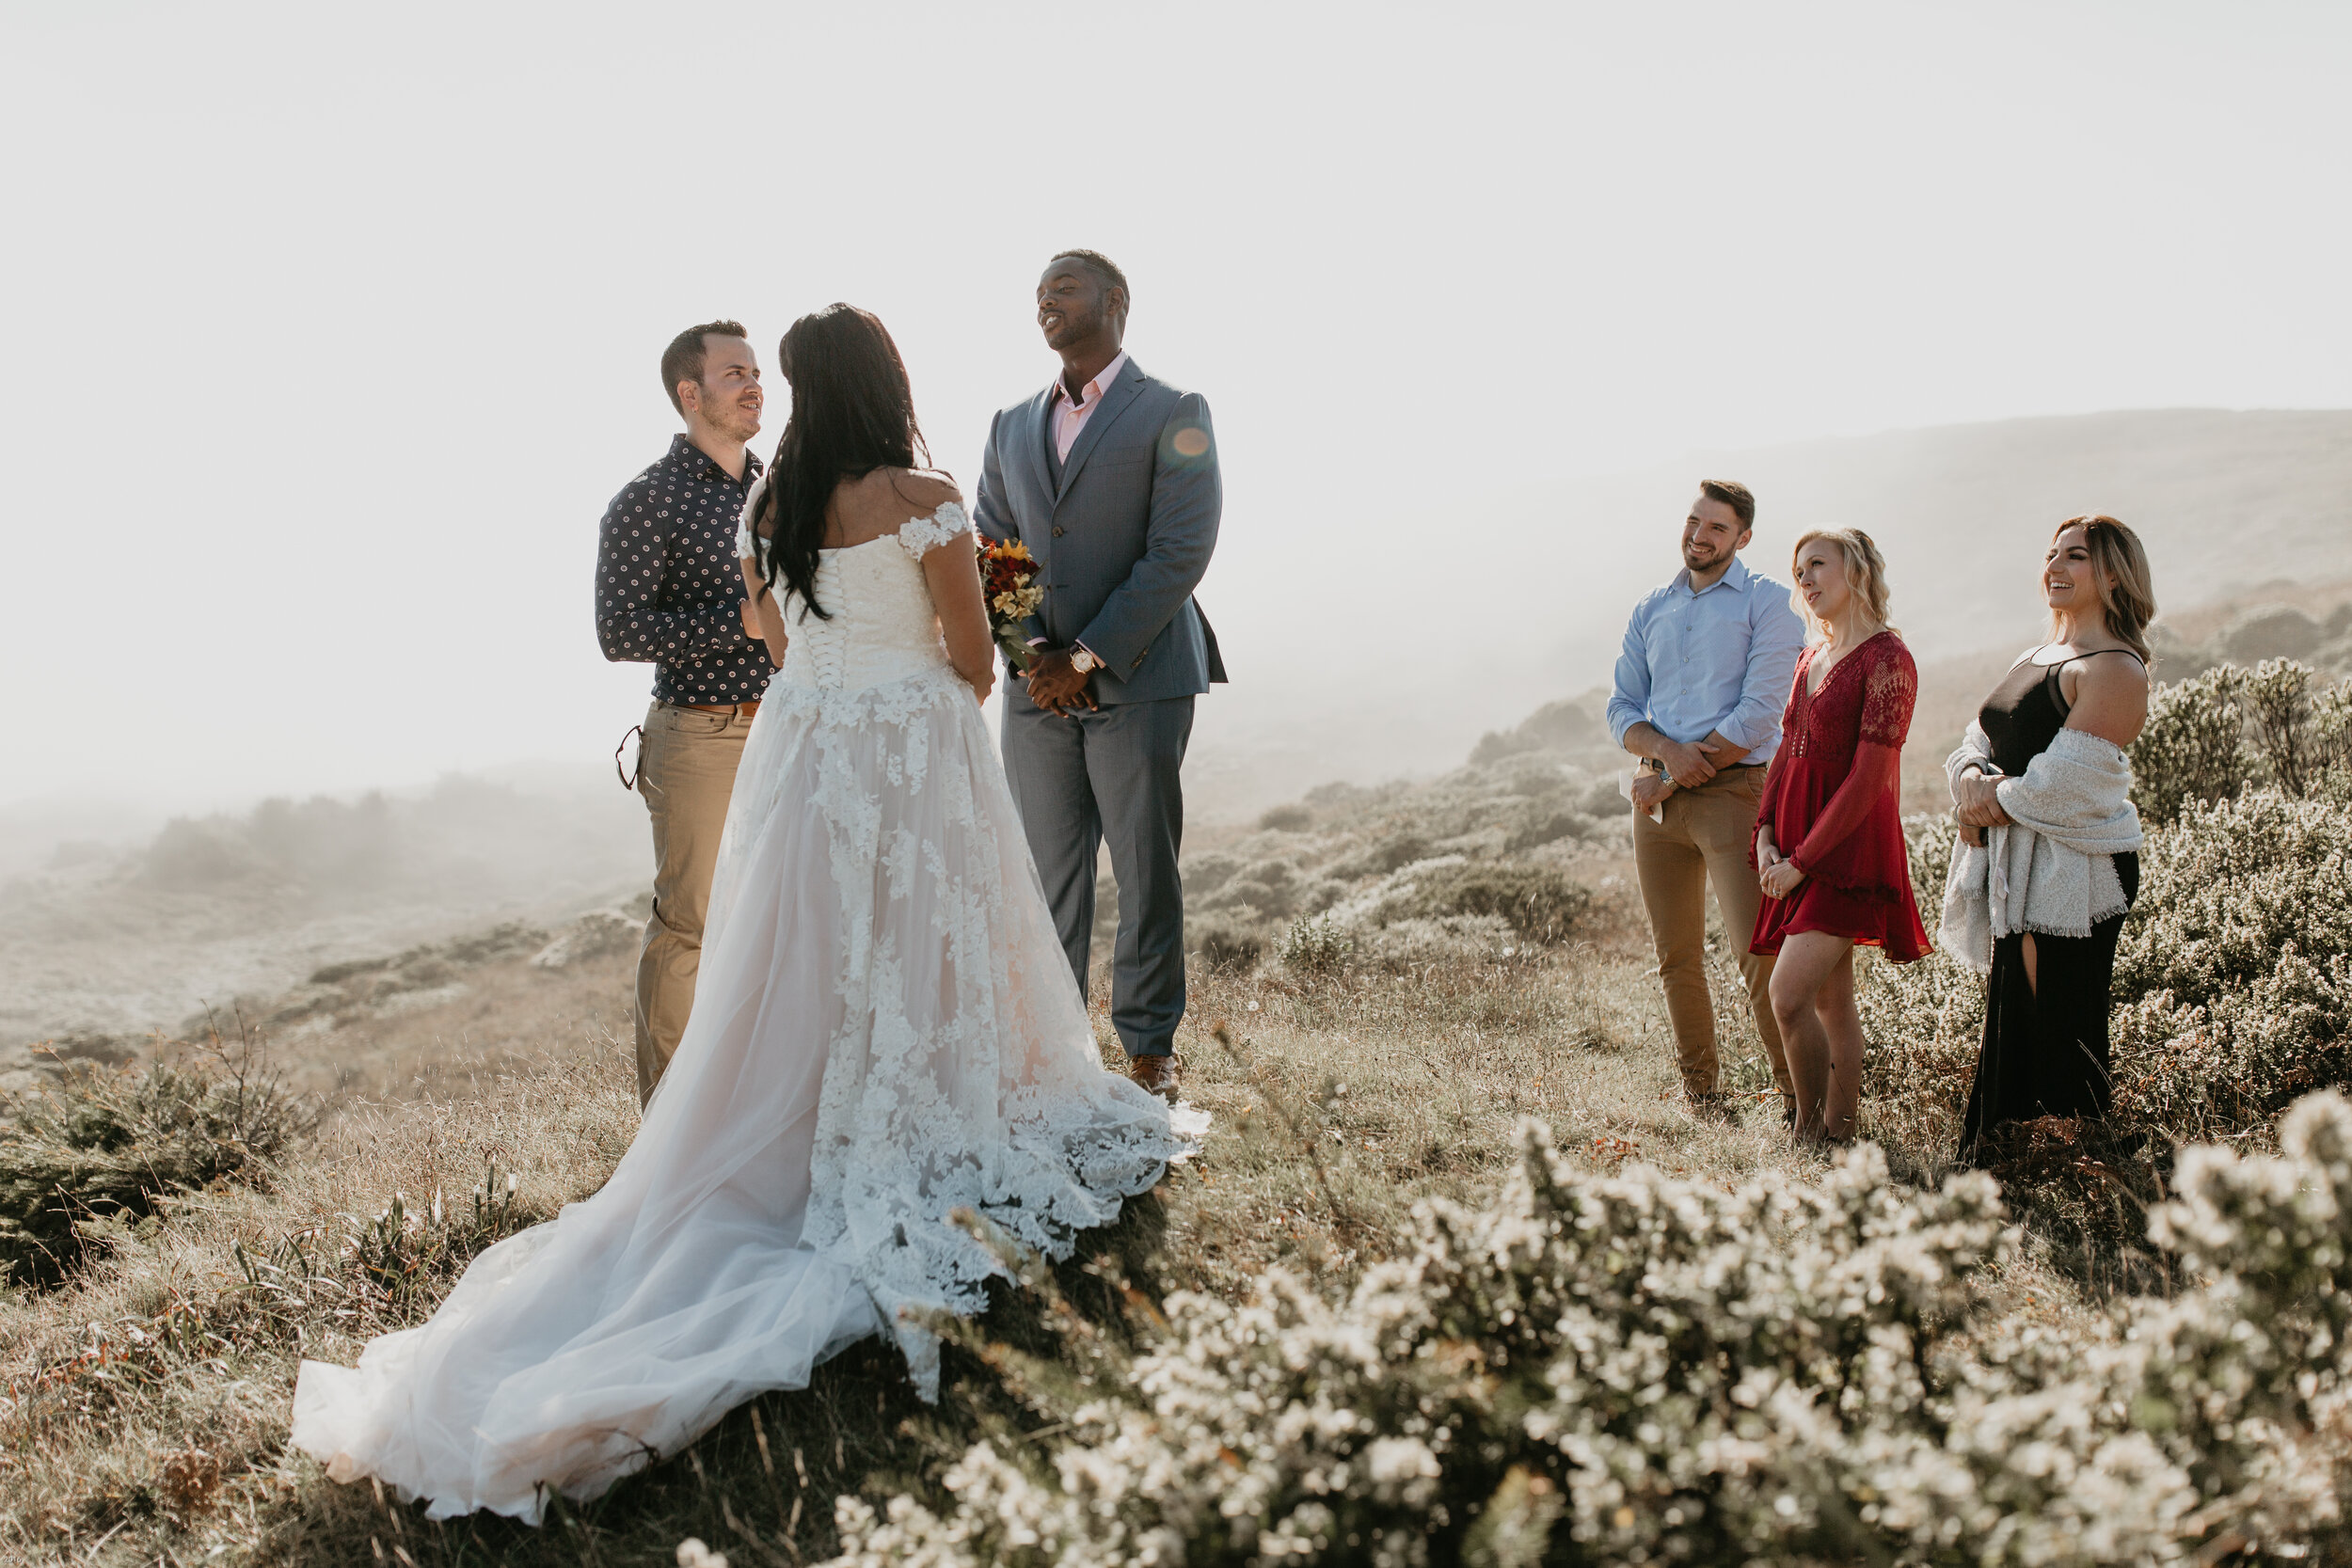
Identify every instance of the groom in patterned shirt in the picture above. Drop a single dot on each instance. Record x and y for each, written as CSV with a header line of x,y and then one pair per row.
x,y
669,593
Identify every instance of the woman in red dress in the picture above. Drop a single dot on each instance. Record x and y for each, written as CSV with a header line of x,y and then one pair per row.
x,y
1829,833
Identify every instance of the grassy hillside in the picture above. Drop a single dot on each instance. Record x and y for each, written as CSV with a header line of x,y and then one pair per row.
x,y
1389,984
1424,1018
149,1398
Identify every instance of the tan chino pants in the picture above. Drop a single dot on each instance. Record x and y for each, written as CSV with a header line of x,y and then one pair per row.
x,y
686,771
1705,837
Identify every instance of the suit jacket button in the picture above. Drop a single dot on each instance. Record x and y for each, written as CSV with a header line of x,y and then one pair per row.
x,y
1058,531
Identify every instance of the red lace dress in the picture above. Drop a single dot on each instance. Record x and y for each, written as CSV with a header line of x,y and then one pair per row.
x,y
1834,793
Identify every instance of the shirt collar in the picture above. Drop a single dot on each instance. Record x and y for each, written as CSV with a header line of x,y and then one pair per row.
x,y
1095,388
1736,578
684,451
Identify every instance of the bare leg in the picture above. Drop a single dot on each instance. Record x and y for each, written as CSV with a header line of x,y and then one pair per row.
x,y
2033,966
1804,970
1841,1021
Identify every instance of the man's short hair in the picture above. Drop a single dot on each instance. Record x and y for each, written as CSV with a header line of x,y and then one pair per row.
x,y
1106,270
1734,495
683,359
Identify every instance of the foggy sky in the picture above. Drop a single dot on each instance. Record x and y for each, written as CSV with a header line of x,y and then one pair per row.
x,y
330,332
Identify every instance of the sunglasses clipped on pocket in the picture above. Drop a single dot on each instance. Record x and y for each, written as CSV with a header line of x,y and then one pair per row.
x,y
628,781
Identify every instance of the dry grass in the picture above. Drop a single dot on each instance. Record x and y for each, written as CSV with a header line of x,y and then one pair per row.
x,y
150,1399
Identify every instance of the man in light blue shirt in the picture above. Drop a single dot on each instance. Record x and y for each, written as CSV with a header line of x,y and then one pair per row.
x,y
1701,683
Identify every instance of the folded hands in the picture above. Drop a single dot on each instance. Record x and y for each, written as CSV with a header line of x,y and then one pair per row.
x,y
1977,802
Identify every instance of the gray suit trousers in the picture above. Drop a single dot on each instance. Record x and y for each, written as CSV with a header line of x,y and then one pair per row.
x,y
1112,774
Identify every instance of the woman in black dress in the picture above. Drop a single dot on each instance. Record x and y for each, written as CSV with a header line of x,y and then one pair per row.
x,y
2046,1000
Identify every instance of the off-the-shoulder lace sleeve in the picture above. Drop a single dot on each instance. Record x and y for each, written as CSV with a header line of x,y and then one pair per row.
x,y
746,541
919,536
1890,690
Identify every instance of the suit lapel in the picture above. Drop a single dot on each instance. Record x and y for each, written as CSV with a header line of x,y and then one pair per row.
x,y
1124,391
1033,445
1037,474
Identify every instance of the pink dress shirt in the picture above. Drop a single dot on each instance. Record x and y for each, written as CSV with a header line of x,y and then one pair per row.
x,y
1071,418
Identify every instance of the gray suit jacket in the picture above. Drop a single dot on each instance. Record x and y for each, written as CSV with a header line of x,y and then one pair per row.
x,y
1121,533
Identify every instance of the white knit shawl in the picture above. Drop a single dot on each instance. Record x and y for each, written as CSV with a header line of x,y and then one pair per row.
x,y
2054,871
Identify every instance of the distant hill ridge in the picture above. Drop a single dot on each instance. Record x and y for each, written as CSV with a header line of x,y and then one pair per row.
x,y
2236,507
2226,501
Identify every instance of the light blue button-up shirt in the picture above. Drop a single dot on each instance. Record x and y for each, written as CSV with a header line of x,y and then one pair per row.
x,y
1718,660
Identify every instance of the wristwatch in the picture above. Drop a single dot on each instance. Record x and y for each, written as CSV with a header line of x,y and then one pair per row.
x,y
1082,661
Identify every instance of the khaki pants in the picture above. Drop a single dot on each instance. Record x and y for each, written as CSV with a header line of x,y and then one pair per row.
x,y
1705,837
686,771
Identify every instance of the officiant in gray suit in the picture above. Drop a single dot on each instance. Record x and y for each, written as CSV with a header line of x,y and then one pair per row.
x,y
1109,476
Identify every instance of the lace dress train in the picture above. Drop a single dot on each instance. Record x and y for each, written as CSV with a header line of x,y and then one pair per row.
x,y
884,1031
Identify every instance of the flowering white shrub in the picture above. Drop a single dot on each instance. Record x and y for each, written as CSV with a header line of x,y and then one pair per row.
x,y
1635,1369
2233,977
2278,724
2193,747
2232,989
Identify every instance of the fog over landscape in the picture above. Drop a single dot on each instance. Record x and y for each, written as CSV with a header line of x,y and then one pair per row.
x,y
1476,301
332,332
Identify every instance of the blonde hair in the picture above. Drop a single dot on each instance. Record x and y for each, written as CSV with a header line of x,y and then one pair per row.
x,y
1865,573
2115,552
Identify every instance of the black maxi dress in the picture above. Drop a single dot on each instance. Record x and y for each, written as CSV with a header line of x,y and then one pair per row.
x,y
2045,1050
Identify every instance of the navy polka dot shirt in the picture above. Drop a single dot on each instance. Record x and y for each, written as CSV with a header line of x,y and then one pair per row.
x,y
668,588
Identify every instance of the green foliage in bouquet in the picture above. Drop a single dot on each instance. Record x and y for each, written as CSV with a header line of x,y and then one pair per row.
x,y
1009,587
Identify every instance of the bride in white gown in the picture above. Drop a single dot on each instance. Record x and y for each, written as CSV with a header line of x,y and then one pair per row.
x,y
885,1031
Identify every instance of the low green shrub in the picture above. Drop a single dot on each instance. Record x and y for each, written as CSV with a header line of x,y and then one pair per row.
x,y
1540,903
101,1145
1385,855
1269,888
1320,945
2279,723
2233,977
1924,1024
2193,747
1205,874
1539,824
1226,945
404,1260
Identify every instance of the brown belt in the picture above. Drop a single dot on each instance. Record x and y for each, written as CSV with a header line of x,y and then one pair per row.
x,y
740,710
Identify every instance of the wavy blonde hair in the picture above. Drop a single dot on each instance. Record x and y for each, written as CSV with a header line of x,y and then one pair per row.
x,y
2115,552
1865,573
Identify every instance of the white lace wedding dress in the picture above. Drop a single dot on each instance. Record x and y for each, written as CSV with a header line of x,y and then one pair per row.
x,y
884,1031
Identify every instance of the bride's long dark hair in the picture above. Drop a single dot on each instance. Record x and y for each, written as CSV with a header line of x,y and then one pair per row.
x,y
853,412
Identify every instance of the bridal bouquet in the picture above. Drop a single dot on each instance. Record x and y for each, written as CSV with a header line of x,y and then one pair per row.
x,y
1008,584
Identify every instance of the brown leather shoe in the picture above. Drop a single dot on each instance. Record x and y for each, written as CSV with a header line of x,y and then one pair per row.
x,y
1156,1073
